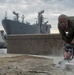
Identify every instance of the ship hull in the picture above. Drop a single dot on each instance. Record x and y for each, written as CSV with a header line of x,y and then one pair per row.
x,y
16,27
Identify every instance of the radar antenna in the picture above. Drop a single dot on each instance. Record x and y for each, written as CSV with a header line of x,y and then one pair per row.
x,y
5,14
23,18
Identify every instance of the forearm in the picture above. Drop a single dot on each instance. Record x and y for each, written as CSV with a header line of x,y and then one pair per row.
x,y
65,39
70,37
63,34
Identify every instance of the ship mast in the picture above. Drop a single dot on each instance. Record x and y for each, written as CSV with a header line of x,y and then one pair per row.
x,y
40,18
17,15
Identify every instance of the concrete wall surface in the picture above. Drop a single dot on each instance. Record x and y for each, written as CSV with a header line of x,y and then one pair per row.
x,y
35,44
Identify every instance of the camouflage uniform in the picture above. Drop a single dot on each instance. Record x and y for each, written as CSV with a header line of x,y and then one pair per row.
x,y
67,38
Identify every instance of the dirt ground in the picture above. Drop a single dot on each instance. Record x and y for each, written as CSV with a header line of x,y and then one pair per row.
x,y
29,65
25,65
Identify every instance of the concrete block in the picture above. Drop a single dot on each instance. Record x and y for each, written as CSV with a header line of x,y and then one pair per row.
x,y
35,44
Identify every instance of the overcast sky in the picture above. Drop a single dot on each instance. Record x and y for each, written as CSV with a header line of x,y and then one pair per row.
x,y
30,8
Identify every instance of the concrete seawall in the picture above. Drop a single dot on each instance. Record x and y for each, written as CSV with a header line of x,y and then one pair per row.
x,y
35,44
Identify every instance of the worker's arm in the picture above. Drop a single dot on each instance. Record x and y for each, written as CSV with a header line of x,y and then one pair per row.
x,y
70,37
63,35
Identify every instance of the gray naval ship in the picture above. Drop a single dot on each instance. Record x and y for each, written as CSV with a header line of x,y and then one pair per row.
x,y
17,27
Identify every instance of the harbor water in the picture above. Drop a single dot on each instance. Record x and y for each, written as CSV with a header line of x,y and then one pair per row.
x,y
3,50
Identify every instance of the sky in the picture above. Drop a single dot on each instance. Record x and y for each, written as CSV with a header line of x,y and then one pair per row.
x,y
30,8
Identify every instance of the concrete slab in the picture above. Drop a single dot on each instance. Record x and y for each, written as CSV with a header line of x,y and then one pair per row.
x,y
70,66
69,73
10,55
66,68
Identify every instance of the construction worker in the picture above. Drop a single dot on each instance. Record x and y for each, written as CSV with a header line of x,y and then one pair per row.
x,y
66,29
